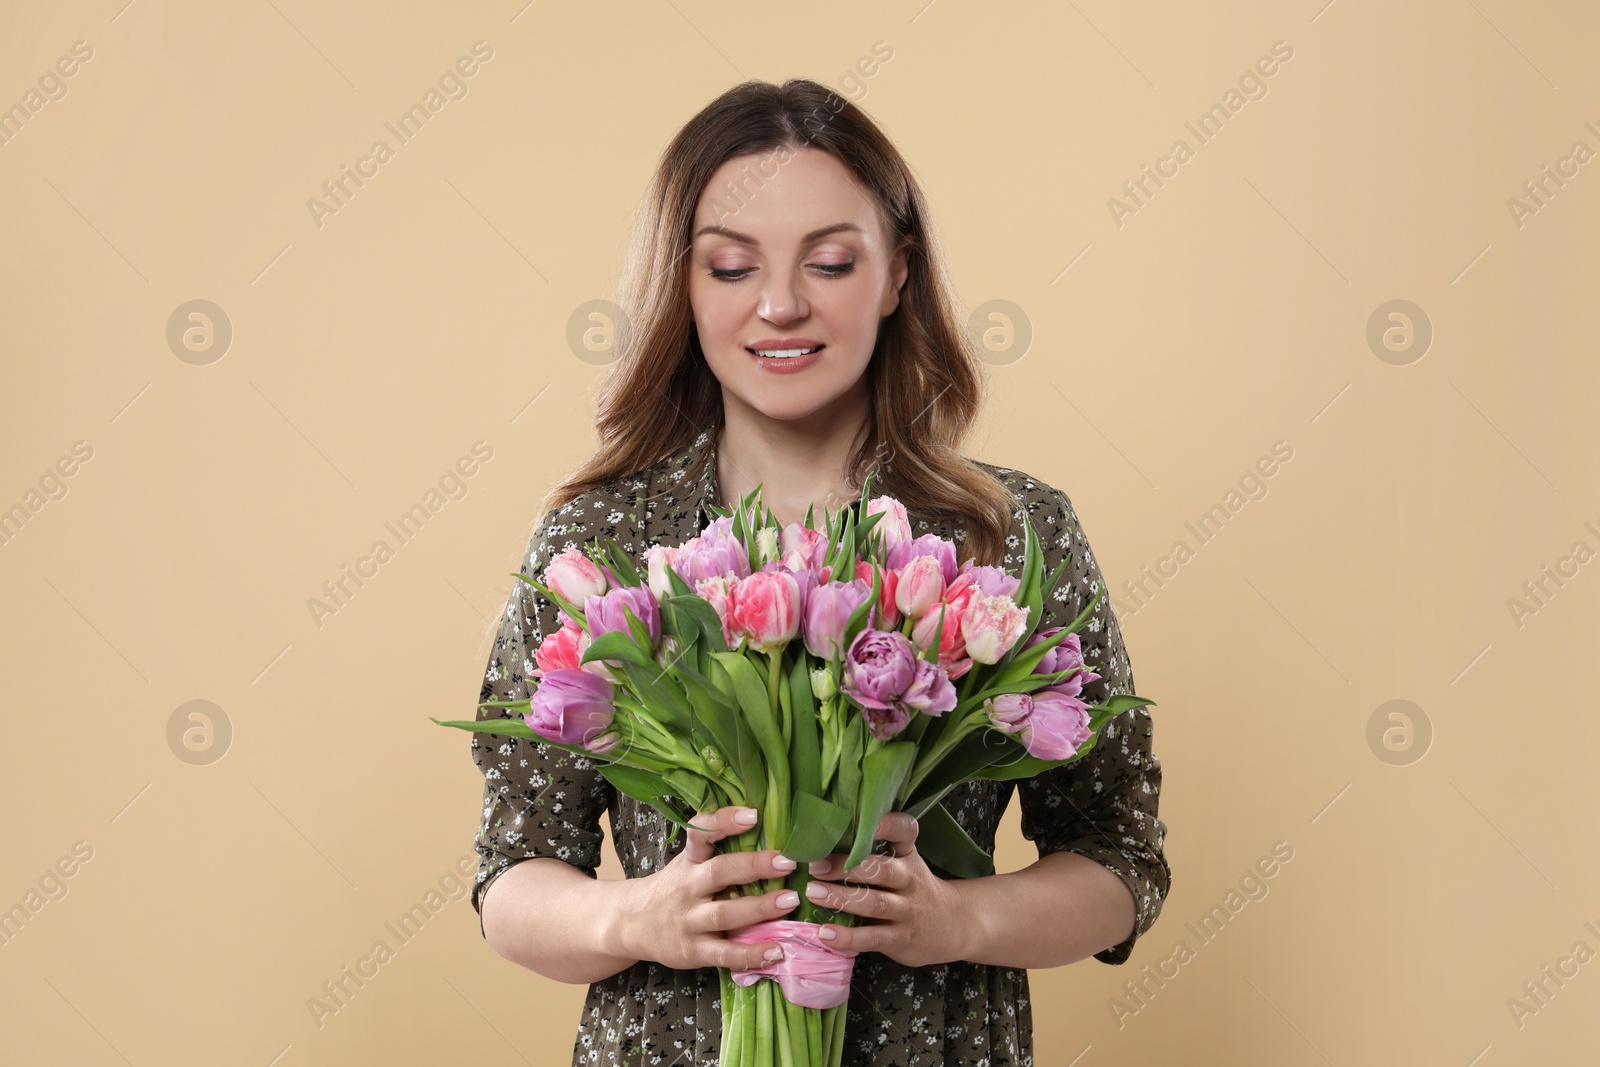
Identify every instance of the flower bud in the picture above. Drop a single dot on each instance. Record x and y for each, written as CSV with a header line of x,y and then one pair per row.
x,y
766,546
822,686
713,759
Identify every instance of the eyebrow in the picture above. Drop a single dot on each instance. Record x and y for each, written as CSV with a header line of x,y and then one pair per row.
x,y
745,238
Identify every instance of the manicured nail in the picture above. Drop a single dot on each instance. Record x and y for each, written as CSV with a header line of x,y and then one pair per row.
x,y
827,933
746,816
817,891
773,954
784,863
820,866
788,899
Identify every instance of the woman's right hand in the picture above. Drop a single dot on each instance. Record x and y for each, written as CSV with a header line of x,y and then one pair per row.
x,y
677,916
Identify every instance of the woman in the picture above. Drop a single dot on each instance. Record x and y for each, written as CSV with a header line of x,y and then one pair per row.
x,y
792,327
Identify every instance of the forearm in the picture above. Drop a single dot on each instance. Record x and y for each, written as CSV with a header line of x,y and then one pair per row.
x,y
550,917
1062,909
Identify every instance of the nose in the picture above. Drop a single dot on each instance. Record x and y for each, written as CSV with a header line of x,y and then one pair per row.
x,y
781,299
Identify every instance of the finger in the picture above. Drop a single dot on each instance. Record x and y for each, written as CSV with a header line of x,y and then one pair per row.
x,y
899,828
874,868
733,913
720,952
855,899
873,937
709,827
741,868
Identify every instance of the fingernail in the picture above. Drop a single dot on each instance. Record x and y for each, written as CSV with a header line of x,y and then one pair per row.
x,y
820,866
827,933
746,816
773,954
788,899
784,863
817,891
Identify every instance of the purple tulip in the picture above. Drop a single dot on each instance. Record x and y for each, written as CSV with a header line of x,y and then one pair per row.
x,y
604,613
827,609
930,691
571,707
943,551
1066,655
878,667
994,581
884,675
713,553
1051,725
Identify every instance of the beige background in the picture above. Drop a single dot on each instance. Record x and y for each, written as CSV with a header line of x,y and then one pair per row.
x,y
1228,313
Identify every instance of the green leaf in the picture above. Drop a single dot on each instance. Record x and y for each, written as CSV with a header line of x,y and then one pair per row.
x,y
705,617
805,739
976,751
574,610
501,727
818,827
853,742
944,844
751,694
882,773
858,618
715,722
621,564
647,787
616,645
660,693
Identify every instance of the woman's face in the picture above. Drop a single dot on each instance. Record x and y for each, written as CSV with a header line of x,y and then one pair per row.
x,y
802,263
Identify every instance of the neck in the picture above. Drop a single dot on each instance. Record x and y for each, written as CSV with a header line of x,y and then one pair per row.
x,y
799,464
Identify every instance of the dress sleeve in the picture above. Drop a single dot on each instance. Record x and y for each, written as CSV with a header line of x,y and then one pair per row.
x,y
1103,805
538,800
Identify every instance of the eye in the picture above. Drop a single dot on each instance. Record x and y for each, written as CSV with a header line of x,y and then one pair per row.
x,y
827,270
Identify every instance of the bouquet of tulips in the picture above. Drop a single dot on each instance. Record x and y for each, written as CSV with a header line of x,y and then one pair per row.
x,y
825,677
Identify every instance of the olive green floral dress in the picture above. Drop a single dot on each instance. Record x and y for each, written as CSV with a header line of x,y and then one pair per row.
x,y
542,801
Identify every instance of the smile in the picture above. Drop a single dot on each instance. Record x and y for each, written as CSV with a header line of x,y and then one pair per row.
x,y
783,353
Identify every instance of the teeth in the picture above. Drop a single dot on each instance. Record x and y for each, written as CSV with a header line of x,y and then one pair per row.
x,y
784,353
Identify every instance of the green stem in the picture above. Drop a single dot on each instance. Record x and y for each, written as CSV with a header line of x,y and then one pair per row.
x,y
780,1025
774,680
764,1029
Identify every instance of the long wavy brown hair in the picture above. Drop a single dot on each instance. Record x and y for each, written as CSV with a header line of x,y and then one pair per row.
x,y
926,382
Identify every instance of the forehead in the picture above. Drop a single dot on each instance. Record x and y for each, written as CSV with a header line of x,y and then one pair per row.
x,y
766,198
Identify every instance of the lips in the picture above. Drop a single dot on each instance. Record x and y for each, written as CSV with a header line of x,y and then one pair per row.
x,y
784,347
784,353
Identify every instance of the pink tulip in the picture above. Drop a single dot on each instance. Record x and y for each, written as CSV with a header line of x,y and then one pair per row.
x,y
559,651
659,558
1052,726
990,626
714,591
803,548
918,586
895,526
953,657
888,616
764,609
575,577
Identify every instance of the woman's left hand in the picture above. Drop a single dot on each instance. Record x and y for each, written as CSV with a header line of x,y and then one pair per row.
x,y
917,918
